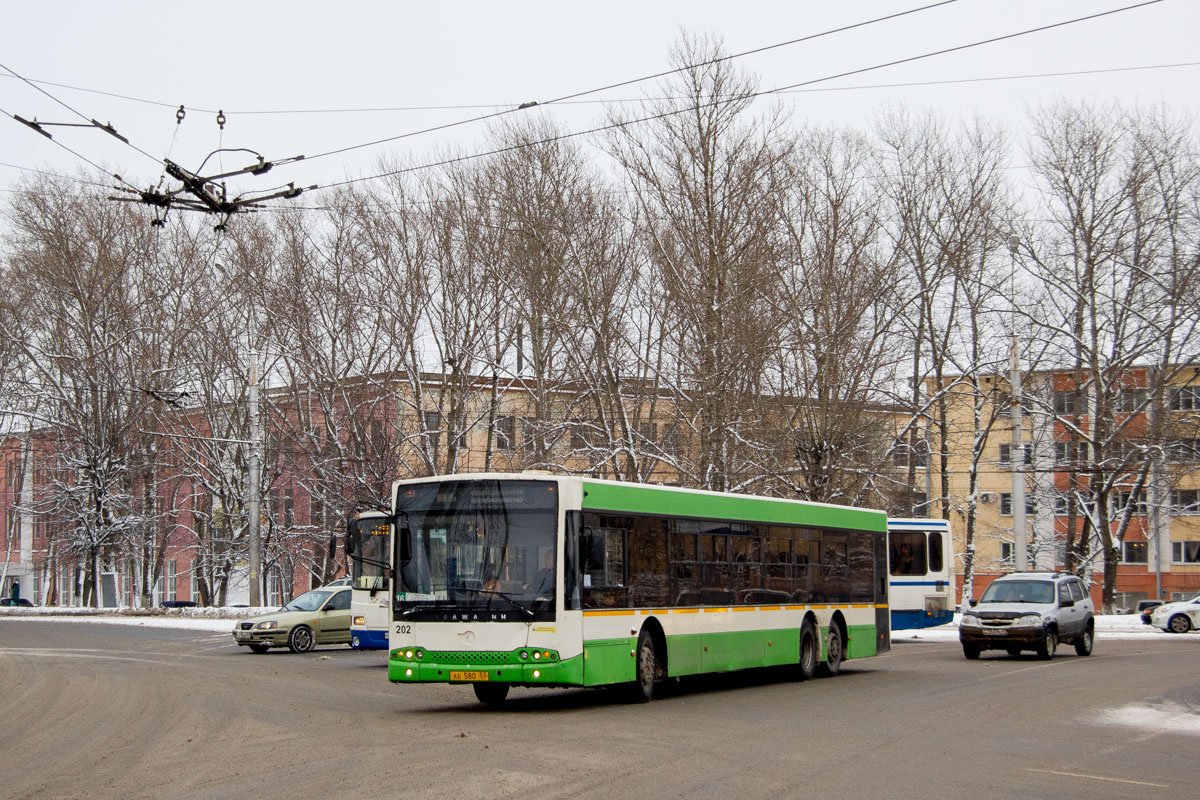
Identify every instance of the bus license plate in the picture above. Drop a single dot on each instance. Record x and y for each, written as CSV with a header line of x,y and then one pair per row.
x,y
468,676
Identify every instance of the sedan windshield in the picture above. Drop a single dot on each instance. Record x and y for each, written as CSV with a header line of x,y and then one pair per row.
x,y
1019,592
476,546
309,601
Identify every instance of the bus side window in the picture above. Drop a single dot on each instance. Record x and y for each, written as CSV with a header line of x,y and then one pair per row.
x,y
603,552
935,551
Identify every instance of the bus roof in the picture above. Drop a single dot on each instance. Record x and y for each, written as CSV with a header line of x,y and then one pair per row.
x,y
699,504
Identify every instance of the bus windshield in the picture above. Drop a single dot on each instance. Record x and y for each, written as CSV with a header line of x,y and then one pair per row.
x,y
476,546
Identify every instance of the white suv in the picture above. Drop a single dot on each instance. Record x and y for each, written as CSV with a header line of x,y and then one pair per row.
x,y
1029,611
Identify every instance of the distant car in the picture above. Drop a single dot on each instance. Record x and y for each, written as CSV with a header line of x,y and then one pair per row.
x,y
321,616
1144,607
1029,611
343,581
1179,617
21,601
179,604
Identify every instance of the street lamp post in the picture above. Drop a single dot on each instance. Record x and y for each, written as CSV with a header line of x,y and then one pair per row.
x,y
253,463
252,487
1017,457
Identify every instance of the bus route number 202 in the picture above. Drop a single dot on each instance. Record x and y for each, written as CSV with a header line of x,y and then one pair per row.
x,y
404,629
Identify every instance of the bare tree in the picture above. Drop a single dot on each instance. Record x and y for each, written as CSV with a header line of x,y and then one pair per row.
x,y
701,171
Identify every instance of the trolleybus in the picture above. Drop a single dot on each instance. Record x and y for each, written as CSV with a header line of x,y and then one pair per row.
x,y
368,545
527,579
921,572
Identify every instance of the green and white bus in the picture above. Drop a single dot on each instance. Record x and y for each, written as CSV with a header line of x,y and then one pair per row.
x,y
530,579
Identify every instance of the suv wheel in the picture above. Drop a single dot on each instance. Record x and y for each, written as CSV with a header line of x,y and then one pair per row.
x,y
1048,645
971,651
1083,644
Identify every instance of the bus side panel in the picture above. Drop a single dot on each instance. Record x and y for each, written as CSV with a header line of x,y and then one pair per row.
x,y
862,641
609,661
685,654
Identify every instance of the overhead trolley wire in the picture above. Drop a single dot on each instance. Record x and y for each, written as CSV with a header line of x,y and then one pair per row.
x,y
619,84
82,116
750,95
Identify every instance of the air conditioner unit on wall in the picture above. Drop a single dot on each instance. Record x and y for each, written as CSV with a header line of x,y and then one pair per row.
x,y
987,497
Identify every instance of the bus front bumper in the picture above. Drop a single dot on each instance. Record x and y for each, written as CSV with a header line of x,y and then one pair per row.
x,y
416,665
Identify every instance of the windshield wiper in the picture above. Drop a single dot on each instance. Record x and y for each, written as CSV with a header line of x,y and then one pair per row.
x,y
516,603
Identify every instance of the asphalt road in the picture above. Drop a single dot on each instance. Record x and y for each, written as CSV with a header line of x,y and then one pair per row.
x,y
93,710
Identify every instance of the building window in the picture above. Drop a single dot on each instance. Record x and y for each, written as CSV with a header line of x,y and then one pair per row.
x,y
1006,504
1065,402
1070,452
1006,453
916,455
1185,552
1184,451
1006,552
648,431
1185,501
1130,401
1135,552
506,432
1186,398
431,422
1120,500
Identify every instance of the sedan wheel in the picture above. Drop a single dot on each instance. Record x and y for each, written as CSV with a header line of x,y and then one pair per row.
x,y
301,639
1179,624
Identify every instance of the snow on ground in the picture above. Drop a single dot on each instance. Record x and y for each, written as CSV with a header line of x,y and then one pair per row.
x,y
1108,626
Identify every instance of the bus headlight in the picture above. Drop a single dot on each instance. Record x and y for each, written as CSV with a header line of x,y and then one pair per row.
x,y
360,621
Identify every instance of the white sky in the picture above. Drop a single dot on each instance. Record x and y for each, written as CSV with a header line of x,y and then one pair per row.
x,y
305,56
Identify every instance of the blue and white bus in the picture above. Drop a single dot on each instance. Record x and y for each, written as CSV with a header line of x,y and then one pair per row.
x,y
920,572
368,544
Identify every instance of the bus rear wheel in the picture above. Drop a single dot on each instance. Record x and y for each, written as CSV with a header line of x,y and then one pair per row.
x,y
810,651
492,694
835,647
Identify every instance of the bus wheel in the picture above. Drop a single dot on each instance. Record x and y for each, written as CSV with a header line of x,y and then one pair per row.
x,y
810,651
834,649
492,694
301,639
647,666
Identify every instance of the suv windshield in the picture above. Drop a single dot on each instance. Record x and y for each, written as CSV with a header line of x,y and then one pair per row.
x,y
476,545
309,601
1019,592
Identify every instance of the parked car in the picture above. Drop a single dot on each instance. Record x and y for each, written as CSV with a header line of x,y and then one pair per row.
x,y
1144,607
179,604
1179,617
1029,611
321,616
21,601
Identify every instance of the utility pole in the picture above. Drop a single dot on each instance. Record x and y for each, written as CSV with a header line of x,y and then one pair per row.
x,y
1017,457
252,486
